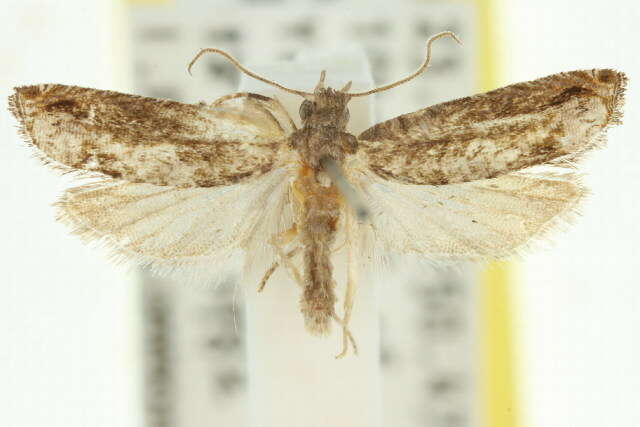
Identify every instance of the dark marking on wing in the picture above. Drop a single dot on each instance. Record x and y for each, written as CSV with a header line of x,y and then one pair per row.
x,y
151,140
505,130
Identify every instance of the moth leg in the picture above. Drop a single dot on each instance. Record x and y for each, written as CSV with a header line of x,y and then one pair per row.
x,y
277,104
279,241
273,268
267,275
349,292
348,308
340,246
347,337
274,102
230,96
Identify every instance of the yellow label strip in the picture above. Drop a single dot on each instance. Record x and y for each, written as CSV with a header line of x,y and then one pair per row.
x,y
497,371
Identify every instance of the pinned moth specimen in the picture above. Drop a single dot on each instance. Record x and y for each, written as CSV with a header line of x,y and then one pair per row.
x,y
183,187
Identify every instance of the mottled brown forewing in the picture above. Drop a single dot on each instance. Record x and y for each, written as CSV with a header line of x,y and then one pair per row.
x,y
148,140
483,136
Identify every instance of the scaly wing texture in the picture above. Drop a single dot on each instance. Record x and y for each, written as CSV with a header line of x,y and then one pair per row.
x,y
469,221
152,141
554,119
185,229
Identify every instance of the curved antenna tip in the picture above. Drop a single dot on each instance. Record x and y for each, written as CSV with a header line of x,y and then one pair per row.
x,y
420,69
241,68
457,39
194,60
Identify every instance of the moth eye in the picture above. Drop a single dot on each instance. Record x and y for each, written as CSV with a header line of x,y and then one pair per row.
x,y
306,109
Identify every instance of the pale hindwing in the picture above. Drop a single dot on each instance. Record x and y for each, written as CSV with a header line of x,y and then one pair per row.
x,y
149,140
554,119
470,221
179,228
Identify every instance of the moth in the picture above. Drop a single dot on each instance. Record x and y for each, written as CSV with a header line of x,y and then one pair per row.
x,y
181,187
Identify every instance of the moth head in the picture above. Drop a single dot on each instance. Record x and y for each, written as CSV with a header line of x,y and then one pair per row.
x,y
325,106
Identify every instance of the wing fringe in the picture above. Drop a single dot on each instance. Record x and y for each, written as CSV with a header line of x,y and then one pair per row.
x,y
379,242
188,270
35,152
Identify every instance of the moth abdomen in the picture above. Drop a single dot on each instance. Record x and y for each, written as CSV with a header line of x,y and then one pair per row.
x,y
317,216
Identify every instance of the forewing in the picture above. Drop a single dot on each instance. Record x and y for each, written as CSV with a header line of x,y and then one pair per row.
x,y
550,120
170,227
468,221
147,140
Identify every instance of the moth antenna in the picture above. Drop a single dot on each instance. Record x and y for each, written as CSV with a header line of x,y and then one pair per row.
x,y
239,66
353,198
416,73
346,87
